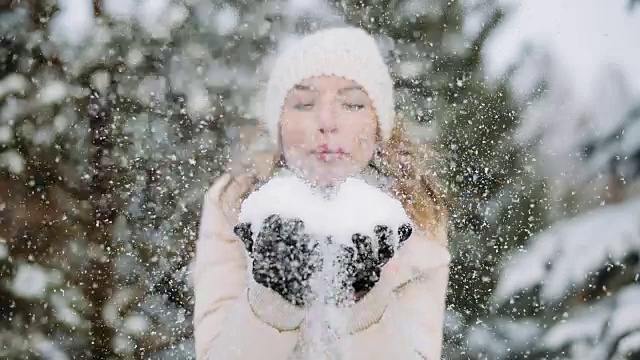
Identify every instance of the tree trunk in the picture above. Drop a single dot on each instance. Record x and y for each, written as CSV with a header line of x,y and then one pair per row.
x,y
99,282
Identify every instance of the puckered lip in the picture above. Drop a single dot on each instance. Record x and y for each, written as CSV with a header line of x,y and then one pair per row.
x,y
325,149
326,153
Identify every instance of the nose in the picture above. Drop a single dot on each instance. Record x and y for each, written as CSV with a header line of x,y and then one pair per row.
x,y
326,119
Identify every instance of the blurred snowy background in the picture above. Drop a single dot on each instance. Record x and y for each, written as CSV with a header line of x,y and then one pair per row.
x,y
116,114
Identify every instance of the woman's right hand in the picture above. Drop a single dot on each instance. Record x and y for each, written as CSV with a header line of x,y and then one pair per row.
x,y
283,256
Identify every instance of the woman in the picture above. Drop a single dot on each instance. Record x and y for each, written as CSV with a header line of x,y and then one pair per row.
x,y
330,112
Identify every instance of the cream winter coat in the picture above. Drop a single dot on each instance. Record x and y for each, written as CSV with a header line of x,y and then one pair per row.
x,y
237,319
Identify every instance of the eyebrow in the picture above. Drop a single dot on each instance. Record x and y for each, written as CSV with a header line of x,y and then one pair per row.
x,y
341,91
351,88
304,88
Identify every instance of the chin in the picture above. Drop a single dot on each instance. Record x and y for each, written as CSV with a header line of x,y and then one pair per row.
x,y
320,178
328,179
324,174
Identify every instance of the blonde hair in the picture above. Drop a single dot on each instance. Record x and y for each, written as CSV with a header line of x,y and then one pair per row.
x,y
402,160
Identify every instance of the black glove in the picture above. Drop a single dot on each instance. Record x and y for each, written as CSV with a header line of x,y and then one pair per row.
x,y
283,256
362,264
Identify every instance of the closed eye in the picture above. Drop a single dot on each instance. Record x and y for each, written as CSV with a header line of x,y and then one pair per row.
x,y
353,107
303,106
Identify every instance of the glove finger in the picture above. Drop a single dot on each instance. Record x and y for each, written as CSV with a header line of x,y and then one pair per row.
x,y
367,281
294,225
349,263
243,231
385,253
384,235
404,232
292,231
262,274
363,245
273,223
382,232
347,254
266,243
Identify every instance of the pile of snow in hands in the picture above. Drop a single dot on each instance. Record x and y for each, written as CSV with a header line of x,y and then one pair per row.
x,y
354,207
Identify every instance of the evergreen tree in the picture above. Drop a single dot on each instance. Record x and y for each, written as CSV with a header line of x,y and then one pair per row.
x,y
573,294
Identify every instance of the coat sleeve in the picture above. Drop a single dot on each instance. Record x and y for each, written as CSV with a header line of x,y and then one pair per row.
x,y
408,317
417,314
233,314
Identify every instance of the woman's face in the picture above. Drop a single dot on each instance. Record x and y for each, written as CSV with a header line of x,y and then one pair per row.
x,y
328,129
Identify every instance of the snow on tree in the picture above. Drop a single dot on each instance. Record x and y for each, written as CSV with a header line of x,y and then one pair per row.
x,y
572,293
580,80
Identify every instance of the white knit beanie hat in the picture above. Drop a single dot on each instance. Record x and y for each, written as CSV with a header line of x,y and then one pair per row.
x,y
348,52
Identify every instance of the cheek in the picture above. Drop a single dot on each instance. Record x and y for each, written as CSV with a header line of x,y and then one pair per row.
x,y
295,134
363,138
365,148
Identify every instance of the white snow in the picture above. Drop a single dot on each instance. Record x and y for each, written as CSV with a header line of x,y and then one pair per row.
x,y
60,122
30,281
410,69
6,134
628,345
226,20
588,70
44,135
135,324
299,8
477,13
74,22
52,92
356,207
63,311
626,317
489,338
568,34
150,14
151,88
4,249
198,100
584,325
13,161
122,344
159,17
135,57
573,249
101,80
47,349
325,322
120,9
13,83
629,142
593,330
416,8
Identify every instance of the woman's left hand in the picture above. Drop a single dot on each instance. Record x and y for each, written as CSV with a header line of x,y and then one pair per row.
x,y
363,264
